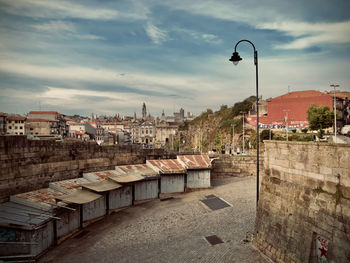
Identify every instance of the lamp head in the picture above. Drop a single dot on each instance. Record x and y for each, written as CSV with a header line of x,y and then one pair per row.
x,y
235,58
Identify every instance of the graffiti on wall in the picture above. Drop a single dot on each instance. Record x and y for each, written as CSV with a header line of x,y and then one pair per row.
x,y
321,249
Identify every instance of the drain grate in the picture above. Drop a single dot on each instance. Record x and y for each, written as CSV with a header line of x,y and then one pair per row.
x,y
214,203
214,240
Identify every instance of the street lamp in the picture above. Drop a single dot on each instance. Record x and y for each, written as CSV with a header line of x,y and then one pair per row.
x,y
243,132
335,113
235,59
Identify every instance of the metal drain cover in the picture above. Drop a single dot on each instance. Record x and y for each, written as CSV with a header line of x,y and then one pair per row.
x,y
214,240
214,203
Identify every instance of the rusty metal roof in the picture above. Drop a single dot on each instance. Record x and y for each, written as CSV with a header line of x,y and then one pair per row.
x,y
98,176
68,186
22,216
195,161
144,170
170,166
43,199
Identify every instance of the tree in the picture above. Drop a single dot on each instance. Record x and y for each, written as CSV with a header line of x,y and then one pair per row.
x,y
319,118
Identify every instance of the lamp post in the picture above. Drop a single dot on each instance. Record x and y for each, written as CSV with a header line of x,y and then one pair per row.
x,y
243,132
233,138
286,120
235,58
335,113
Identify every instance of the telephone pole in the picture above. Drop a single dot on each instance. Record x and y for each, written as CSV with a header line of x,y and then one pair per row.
x,y
335,112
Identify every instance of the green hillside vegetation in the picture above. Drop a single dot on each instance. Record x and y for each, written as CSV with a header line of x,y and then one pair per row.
x,y
216,127
213,130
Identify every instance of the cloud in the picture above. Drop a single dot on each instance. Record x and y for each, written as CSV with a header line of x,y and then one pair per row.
x,y
310,34
57,9
256,15
205,37
156,83
156,34
63,29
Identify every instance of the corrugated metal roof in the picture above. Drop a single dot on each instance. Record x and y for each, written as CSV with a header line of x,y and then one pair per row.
x,y
170,166
68,186
195,161
96,176
121,177
43,199
102,186
144,170
21,216
79,197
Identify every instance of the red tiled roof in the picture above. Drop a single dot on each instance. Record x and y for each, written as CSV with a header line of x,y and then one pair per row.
x,y
16,118
44,112
40,120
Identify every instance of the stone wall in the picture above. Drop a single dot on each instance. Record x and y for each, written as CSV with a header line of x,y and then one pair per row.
x,y
27,165
227,166
304,202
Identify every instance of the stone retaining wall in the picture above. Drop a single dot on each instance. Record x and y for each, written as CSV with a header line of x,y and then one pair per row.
x,y
27,165
239,166
305,202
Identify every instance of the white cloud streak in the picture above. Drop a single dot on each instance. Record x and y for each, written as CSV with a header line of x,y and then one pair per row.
x,y
63,29
309,34
56,9
156,34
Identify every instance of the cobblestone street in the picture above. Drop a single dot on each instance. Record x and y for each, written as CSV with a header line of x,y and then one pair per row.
x,y
172,230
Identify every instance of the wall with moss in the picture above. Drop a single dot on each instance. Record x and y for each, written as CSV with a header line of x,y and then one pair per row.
x,y
305,198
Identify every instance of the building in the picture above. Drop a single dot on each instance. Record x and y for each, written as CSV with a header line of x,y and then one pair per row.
x,y
147,133
15,125
292,108
135,132
3,123
144,111
62,128
166,131
74,127
41,127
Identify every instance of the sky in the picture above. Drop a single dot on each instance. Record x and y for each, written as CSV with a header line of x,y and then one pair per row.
x,y
108,57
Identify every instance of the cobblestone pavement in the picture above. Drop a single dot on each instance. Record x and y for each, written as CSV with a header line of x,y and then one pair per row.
x,y
171,230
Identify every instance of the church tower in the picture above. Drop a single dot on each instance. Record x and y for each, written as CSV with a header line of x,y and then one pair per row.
x,y
144,111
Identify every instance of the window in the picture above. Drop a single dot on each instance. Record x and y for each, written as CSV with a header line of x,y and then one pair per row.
x,y
21,127
16,127
10,127
21,133
15,121
31,129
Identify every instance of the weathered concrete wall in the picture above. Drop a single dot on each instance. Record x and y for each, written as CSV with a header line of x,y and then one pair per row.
x,y
27,165
305,194
227,166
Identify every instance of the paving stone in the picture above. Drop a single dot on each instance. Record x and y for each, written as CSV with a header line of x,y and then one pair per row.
x,y
172,230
